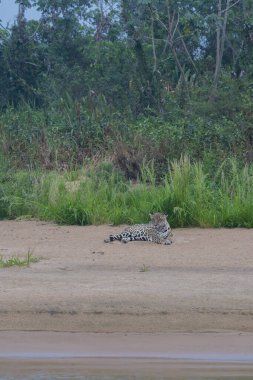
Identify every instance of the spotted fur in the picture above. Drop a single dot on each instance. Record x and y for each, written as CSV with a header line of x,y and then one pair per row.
x,y
157,230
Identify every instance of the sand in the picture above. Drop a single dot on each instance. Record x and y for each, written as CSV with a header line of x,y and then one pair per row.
x,y
93,309
202,282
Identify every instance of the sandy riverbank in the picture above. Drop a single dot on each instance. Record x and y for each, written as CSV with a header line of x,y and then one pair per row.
x,y
203,282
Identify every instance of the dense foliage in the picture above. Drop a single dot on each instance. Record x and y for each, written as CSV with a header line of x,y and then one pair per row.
x,y
139,79
132,82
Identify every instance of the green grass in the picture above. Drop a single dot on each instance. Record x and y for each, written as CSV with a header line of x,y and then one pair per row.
x,y
18,261
189,194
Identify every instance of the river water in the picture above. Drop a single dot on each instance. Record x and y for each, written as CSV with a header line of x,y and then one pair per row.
x,y
77,356
123,369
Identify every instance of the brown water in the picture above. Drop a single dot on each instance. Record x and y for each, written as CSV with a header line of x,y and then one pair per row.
x,y
62,356
122,368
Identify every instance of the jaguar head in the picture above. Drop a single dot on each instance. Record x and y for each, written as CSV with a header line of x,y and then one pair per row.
x,y
159,221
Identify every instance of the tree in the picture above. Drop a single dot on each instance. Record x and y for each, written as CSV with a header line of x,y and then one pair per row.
x,y
221,35
21,62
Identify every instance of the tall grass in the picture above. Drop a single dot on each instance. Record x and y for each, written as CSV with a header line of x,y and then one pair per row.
x,y
189,195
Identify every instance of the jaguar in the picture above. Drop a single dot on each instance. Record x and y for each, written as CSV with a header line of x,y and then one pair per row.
x,y
157,230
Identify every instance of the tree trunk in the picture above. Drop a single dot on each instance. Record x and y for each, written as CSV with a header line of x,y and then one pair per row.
x,y
220,40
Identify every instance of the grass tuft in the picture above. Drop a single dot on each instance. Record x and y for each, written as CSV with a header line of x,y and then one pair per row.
x,y
144,268
18,261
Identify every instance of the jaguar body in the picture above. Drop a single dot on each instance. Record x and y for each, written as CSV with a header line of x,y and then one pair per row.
x,y
157,230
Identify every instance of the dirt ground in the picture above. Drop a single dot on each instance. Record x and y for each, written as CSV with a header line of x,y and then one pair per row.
x,y
202,282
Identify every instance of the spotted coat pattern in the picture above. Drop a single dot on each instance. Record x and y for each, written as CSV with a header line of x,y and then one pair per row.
x,y
157,231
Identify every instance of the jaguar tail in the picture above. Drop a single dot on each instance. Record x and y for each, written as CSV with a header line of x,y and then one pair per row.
x,y
113,237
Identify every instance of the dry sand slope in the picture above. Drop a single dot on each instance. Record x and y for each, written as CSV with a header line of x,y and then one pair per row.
x,y
204,281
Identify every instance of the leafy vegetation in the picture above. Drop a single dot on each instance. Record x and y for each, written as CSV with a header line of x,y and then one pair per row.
x,y
128,86
187,193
